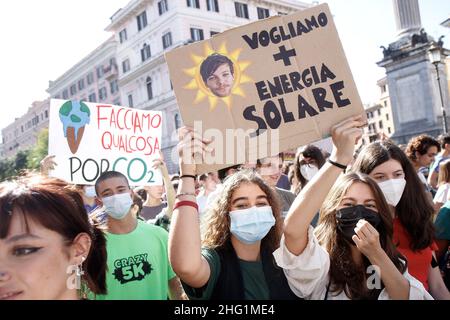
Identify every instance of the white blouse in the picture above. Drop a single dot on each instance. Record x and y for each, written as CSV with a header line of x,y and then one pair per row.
x,y
442,194
308,273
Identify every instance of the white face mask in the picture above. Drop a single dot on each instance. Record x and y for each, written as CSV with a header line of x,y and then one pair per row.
x,y
89,191
393,190
118,205
308,171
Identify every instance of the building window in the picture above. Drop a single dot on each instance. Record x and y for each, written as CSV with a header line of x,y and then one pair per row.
x,y
114,86
65,94
385,103
167,40
178,122
126,65
102,94
81,84
389,130
212,33
380,124
46,114
162,7
379,112
149,85
142,20
145,52
241,10
263,13
92,97
123,35
73,89
130,101
196,34
193,3
99,72
90,78
387,117
212,5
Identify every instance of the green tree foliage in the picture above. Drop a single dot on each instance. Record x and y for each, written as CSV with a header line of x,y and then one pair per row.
x,y
39,152
10,168
26,159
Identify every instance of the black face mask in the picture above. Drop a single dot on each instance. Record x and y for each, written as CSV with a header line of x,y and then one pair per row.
x,y
347,218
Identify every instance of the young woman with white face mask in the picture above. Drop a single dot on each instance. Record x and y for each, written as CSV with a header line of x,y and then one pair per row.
x,y
308,161
410,207
233,258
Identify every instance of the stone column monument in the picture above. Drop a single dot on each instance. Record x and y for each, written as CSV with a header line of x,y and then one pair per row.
x,y
411,78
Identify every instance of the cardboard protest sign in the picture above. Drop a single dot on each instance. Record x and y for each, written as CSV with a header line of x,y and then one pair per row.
x,y
285,81
88,139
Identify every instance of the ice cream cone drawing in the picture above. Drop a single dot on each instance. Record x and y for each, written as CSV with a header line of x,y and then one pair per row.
x,y
74,115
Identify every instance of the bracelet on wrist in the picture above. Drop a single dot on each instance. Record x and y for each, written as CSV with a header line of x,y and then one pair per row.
x,y
185,194
188,176
186,204
337,164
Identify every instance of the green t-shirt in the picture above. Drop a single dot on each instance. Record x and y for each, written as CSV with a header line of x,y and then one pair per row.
x,y
442,223
138,264
255,285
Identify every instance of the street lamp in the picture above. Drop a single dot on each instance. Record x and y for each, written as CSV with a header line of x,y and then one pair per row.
x,y
435,55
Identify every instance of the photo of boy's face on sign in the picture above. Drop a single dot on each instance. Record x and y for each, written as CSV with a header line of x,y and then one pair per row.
x,y
217,72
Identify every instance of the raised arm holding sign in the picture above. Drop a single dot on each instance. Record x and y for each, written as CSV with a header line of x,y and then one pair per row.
x,y
271,85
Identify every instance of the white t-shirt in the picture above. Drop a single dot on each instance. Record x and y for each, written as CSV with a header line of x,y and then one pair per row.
x,y
201,202
442,194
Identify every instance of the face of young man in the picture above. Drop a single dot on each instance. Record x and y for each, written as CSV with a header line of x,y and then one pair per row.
x,y
221,81
270,170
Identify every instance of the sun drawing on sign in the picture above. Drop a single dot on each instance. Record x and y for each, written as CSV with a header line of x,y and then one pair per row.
x,y
217,88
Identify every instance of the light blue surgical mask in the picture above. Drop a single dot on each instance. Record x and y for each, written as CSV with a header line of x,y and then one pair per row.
x,y
251,225
118,205
89,191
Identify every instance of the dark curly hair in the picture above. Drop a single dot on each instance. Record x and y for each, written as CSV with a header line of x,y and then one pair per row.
x,y
420,144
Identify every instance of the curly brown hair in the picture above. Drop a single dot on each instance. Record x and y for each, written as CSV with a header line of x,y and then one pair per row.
x,y
217,221
345,275
420,144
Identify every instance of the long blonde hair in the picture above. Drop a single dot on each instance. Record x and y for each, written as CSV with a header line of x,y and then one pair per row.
x,y
444,173
216,226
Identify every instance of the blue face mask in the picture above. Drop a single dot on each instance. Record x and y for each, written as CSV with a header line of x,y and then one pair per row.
x,y
89,191
118,205
251,225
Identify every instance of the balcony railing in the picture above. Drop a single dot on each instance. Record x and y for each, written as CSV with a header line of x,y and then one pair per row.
x,y
111,71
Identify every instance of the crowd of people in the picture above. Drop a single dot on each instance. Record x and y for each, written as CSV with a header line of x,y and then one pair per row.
x,y
367,223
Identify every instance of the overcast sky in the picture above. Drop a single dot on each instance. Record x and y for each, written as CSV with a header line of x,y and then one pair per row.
x,y
42,39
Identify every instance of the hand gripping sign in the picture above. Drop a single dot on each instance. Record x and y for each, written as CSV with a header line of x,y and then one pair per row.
x,y
278,83
88,139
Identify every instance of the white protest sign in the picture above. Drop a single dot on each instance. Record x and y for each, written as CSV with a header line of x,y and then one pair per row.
x,y
90,138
